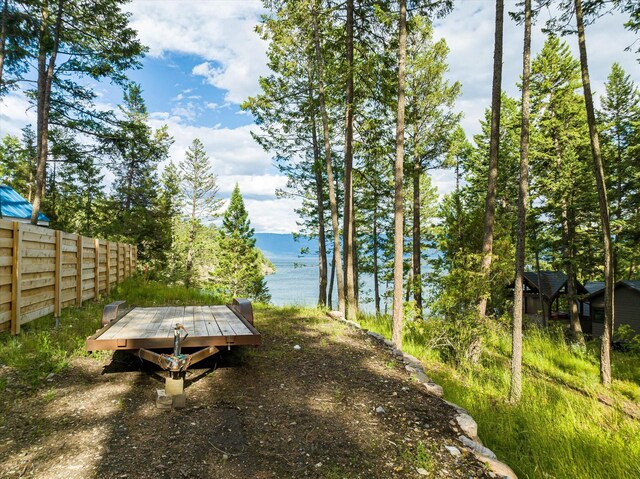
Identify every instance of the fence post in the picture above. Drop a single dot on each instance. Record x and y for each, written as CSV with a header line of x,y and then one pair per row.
x,y
16,279
127,258
96,278
57,293
108,275
80,260
118,262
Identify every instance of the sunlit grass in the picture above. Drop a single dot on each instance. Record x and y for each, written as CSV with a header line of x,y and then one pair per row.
x,y
559,429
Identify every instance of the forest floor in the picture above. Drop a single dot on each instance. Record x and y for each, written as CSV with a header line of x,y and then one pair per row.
x,y
272,411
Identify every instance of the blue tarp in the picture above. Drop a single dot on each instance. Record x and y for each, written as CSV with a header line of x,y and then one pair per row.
x,y
15,206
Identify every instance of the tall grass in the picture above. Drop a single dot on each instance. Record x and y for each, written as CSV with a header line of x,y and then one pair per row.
x,y
559,429
41,348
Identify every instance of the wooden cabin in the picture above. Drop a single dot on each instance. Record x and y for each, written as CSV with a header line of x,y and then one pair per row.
x,y
626,306
552,287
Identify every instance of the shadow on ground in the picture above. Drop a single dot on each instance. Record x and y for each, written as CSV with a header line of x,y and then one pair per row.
x,y
267,412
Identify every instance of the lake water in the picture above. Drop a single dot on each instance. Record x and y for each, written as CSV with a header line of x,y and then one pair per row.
x,y
295,282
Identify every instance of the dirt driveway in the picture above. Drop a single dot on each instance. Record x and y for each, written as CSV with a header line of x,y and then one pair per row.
x,y
270,412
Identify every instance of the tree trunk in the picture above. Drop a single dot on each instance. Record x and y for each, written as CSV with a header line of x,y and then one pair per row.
x,y
3,39
416,283
317,170
330,179
348,219
45,79
605,352
574,316
494,147
398,214
331,277
192,241
376,279
515,391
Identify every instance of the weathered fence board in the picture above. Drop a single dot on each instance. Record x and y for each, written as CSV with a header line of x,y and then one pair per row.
x,y
43,271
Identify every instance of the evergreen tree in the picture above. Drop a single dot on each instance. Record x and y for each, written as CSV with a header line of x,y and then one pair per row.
x,y
169,205
560,152
136,151
620,120
72,41
199,189
238,271
78,203
18,162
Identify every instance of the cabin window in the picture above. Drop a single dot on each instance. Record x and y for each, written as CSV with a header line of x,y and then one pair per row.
x,y
598,315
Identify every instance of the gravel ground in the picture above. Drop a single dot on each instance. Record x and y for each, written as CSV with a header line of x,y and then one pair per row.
x,y
267,412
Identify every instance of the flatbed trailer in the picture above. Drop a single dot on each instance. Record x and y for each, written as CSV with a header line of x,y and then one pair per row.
x,y
143,330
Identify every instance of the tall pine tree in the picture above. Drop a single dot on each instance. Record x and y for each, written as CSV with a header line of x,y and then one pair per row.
x,y
238,271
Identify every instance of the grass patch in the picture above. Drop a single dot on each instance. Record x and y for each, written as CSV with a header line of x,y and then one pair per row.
x,y
559,429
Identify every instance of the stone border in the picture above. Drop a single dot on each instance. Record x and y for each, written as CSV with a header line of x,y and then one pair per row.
x,y
469,439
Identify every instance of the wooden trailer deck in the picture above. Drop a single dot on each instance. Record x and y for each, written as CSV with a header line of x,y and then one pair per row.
x,y
153,328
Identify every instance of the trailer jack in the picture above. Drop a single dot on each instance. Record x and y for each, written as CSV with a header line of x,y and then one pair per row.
x,y
176,364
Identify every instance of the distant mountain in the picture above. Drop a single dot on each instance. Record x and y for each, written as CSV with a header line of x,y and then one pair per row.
x,y
275,245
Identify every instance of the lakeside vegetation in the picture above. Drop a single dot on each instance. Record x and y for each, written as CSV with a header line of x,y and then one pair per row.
x,y
562,429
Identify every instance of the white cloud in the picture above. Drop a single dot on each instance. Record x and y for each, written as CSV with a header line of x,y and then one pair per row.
x,y
220,32
15,113
187,111
444,180
232,150
273,216
252,185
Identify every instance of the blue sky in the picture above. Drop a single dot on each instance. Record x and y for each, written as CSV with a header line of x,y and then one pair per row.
x,y
205,59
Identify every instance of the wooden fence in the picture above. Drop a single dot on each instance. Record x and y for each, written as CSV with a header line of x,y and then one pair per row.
x,y
44,270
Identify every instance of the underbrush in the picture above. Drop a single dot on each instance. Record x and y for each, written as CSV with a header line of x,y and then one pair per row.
x,y
43,348
560,429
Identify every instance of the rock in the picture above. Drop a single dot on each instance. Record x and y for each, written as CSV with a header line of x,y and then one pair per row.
x,y
468,425
225,457
397,352
454,451
412,360
459,409
50,376
377,336
421,471
501,469
319,464
297,347
353,323
336,315
421,376
380,410
434,389
476,447
389,343
411,369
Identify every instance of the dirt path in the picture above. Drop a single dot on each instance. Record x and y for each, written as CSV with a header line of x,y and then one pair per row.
x,y
271,412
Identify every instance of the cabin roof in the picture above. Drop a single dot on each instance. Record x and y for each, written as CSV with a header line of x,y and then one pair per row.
x,y
551,283
594,286
14,206
632,284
